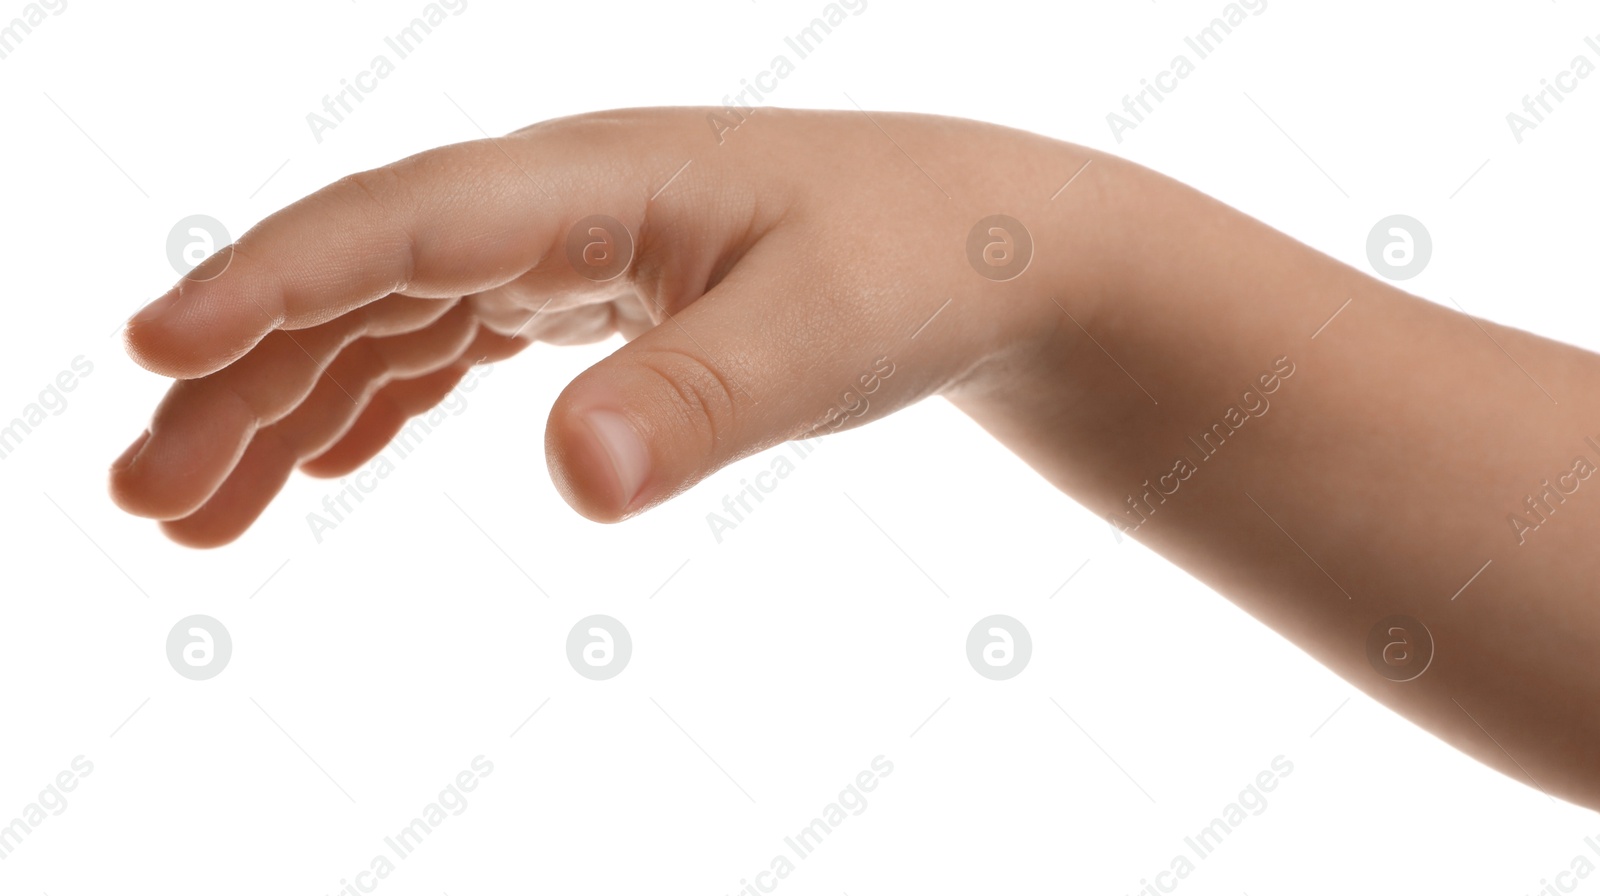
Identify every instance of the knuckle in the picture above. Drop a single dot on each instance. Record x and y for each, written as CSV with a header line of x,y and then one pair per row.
x,y
378,186
700,394
609,123
385,191
221,394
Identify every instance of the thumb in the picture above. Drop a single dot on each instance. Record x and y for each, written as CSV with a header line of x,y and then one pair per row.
x,y
755,362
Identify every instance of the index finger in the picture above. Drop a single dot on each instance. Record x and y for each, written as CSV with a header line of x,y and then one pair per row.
x,y
447,222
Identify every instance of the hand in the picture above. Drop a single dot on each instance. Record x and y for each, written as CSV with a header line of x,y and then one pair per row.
x,y
765,275
771,272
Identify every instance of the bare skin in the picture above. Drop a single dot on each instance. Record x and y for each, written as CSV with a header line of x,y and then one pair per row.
x,y
1374,477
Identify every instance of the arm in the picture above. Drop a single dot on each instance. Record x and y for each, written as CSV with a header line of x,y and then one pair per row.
x,y
1375,480
759,283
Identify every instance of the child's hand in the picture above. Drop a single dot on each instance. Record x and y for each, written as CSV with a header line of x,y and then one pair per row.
x,y
766,281
1144,328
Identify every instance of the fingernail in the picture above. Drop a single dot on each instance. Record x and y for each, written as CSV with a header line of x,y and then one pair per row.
x,y
155,309
630,460
126,459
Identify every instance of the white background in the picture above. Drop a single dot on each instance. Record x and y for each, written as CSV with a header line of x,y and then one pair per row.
x,y
769,669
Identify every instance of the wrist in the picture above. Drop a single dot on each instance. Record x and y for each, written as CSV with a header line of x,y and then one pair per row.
x,y
1081,265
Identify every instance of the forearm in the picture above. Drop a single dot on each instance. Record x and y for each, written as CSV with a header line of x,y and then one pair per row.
x,y
1375,479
